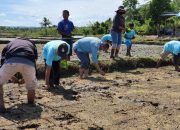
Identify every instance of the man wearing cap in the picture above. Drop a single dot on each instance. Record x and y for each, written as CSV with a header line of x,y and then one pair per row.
x,y
65,28
20,55
171,47
107,39
85,46
116,31
53,52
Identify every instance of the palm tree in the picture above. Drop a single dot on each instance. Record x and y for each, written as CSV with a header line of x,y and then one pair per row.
x,y
45,23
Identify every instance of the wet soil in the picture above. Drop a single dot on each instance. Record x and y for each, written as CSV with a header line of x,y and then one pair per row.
x,y
141,99
137,51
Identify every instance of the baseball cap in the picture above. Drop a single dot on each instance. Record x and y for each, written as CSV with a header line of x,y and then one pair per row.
x,y
62,50
106,38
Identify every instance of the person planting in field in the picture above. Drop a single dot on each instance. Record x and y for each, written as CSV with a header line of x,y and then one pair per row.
x,y
20,56
53,52
89,45
65,28
171,47
128,36
116,32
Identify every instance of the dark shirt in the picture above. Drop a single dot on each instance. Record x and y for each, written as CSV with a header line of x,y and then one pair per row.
x,y
65,26
118,21
22,48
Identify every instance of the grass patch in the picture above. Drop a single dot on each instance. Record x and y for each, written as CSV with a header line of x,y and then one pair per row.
x,y
118,64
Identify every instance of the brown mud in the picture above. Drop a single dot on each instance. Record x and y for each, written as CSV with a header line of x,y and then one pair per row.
x,y
140,99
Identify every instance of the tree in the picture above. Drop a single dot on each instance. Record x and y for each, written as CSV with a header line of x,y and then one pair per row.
x,y
130,6
157,7
176,5
142,13
45,23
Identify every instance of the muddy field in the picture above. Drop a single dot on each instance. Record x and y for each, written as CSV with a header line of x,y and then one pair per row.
x,y
141,99
137,51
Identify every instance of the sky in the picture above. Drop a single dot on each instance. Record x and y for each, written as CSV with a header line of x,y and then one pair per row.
x,y
29,13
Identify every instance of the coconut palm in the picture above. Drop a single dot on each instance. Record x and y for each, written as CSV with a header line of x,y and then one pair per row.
x,y
45,23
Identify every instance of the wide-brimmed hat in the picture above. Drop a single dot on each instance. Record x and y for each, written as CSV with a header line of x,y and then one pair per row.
x,y
121,9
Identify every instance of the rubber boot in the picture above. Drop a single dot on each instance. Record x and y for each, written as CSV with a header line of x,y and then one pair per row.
x,y
116,53
128,52
112,53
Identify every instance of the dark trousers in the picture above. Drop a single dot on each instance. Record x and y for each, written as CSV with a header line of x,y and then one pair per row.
x,y
70,42
55,73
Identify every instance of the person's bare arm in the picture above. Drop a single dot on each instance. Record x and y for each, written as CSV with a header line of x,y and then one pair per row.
x,y
47,75
159,63
99,69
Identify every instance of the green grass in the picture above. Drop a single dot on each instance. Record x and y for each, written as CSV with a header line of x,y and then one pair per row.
x,y
118,64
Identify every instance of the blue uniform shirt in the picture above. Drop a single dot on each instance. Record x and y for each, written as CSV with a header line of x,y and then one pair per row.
x,y
65,26
130,35
172,47
50,51
88,45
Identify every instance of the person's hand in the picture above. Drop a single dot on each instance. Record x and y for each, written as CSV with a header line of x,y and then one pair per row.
x,y
46,87
102,72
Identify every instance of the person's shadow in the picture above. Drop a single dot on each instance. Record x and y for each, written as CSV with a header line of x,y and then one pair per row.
x,y
68,94
21,112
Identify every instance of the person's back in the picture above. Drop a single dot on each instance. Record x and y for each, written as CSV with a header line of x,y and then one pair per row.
x,y
172,47
21,48
87,44
50,50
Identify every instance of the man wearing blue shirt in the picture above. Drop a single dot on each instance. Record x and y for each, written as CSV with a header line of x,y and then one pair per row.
x,y
53,52
86,46
171,47
65,28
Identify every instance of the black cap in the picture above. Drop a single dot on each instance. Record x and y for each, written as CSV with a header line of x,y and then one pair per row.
x,y
62,50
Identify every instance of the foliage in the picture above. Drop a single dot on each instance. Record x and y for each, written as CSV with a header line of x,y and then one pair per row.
x,y
157,7
130,6
145,18
45,23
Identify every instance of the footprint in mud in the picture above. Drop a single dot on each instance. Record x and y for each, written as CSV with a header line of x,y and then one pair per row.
x,y
106,94
95,128
67,117
28,126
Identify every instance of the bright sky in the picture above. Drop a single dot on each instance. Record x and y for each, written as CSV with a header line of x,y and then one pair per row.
x,y
31,12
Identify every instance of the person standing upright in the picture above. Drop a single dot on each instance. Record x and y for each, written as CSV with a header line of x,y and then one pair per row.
x,y
116,32
65,28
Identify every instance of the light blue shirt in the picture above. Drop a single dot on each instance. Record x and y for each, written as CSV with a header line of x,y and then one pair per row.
x,y
130,35
172,47
88,45
50,51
